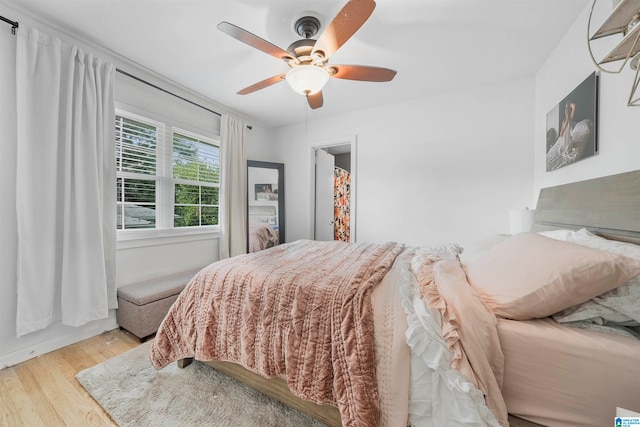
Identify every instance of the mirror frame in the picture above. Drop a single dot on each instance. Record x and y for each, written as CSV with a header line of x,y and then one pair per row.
x,y
280,168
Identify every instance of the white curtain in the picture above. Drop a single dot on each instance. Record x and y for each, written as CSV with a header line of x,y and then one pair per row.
x,y
65,195
233,188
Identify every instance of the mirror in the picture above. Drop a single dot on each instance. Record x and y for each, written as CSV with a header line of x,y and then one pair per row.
x,y
265,205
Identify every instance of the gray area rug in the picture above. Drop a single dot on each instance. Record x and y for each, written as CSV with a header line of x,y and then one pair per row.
x,y
133,393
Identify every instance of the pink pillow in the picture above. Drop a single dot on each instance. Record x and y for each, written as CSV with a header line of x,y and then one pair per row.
x,y
529,276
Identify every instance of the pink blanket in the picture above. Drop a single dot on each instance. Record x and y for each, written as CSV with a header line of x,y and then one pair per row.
x,y
299,311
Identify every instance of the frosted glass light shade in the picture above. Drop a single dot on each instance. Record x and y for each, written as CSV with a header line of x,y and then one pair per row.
x,y
307,79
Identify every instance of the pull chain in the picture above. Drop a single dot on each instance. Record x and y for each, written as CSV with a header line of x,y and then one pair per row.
x,y
306,108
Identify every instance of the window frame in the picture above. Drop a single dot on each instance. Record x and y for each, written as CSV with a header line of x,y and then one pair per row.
x,y
183,181
165,185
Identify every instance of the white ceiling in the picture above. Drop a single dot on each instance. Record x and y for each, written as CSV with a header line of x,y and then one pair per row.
x,y
436,46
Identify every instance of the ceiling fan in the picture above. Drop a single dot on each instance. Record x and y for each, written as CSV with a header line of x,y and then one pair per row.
x,y
308,58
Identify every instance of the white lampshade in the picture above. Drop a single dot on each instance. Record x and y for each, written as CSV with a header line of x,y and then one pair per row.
x,y
520,220
307,79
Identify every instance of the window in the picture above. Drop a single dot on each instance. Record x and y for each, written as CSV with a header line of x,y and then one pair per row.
x,y
166,177
196,173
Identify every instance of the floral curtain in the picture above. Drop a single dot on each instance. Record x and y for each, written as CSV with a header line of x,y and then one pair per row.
x,y
341,209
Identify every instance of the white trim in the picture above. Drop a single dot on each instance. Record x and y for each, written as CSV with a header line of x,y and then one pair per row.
x,y
350,140
353,202
129,239
76,335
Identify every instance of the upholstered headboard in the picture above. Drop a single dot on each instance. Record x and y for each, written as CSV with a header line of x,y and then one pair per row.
x,y
608,206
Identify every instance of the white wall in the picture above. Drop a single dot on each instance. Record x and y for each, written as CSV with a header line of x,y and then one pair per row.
x,y
618,125
445,168
138,260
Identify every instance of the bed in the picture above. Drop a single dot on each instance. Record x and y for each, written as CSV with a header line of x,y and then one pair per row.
x,y
263,227
558,375
470,340
262,236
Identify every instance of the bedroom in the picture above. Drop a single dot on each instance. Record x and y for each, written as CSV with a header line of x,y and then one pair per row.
x,y
470,165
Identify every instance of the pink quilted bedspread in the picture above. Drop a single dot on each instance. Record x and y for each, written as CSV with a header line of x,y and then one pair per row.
x,y
299,311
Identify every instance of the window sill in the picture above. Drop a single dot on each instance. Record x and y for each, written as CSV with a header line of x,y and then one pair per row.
x,y
143,238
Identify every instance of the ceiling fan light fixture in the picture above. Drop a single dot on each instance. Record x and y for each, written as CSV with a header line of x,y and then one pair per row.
x,y
308,58
307,79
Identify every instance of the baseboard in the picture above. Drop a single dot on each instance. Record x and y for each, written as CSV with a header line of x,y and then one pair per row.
x,y
78,334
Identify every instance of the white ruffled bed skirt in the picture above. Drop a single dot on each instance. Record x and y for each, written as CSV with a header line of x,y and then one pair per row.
x,y
439,394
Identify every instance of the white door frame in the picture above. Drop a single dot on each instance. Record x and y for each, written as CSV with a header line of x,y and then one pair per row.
x,y
350,140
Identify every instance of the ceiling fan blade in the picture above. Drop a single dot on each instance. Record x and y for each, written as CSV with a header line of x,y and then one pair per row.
x,y
350,18
262,84
254,41
362,72
315,100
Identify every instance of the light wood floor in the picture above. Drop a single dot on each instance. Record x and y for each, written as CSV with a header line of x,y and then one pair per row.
x,y
43,391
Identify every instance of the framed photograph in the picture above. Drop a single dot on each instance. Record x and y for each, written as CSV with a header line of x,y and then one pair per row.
x,y
266,191
572,126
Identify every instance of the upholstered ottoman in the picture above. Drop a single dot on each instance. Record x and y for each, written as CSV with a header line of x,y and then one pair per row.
x,y
143,305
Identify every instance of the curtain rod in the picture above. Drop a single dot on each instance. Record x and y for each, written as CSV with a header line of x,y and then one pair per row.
x,y
171,93
166,91
14,26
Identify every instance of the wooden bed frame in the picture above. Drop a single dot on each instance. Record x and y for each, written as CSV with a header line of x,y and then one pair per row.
x,y
274,387
608,206
278,389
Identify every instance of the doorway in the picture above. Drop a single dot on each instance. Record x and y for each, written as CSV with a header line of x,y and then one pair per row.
x,y
333,190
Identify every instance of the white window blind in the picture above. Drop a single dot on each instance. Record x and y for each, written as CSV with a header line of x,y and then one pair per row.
x,y
136,162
